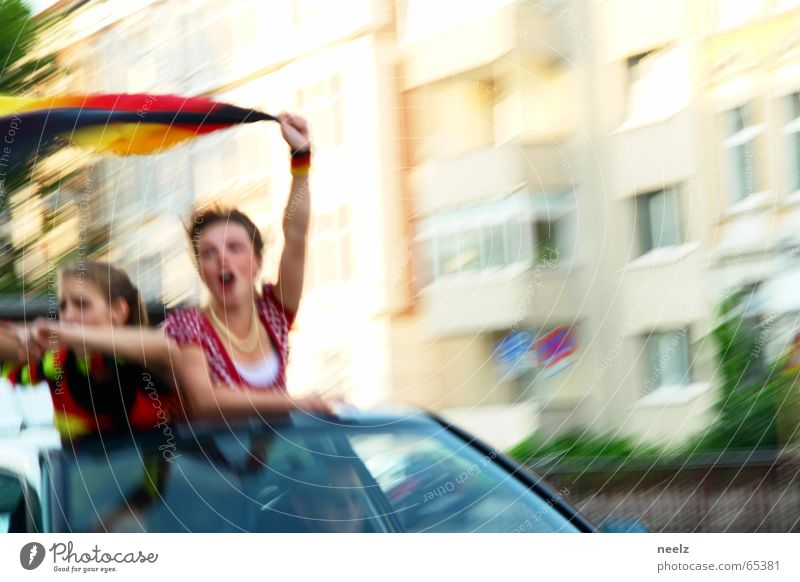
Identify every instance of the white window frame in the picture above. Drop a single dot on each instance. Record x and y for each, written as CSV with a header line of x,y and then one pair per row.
x,y
516,213
327,249
743,138
664,358
673,192
556,207
662,87
791,131
322,103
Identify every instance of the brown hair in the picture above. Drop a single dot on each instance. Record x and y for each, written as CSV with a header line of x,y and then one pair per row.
x,y
205,216
113,284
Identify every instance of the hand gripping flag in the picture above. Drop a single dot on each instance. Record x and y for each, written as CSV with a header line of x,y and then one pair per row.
x,y
117,123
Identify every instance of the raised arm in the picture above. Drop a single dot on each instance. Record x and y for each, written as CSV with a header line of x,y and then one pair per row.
x,y
297,214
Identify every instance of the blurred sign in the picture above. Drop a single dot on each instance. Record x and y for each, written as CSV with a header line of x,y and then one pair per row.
x,y
520,351
553,350
514,355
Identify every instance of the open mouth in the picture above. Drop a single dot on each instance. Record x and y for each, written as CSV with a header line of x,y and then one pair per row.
x,y
226,280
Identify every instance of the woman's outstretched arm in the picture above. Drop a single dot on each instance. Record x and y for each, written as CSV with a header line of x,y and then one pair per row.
x,y
18,345
207,401
145,346
297,214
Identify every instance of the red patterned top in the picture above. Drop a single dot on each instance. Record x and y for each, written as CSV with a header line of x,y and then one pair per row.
x,y
190,326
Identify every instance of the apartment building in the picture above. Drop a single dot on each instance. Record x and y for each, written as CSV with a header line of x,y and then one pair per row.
x,y
496,115
590,179
525,212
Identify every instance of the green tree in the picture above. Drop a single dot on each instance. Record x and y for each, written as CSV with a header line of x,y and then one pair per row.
x,y
21,69
18,37
752,388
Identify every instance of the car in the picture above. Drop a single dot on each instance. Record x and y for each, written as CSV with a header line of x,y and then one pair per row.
x,y
355,472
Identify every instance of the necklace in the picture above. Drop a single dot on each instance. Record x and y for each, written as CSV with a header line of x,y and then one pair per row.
x,y
247,345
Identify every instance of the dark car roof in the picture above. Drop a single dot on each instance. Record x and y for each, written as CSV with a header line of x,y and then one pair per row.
x,y
356,418
392,418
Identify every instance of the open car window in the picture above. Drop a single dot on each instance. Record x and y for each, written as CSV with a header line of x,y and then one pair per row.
x,y
236,482
415,477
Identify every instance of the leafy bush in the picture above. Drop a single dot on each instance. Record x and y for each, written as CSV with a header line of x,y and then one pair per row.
x,y
751,388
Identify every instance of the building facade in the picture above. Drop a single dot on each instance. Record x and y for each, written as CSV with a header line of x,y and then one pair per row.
x,y
525,212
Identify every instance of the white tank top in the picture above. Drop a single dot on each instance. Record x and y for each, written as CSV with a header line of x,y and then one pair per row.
x,y
259,374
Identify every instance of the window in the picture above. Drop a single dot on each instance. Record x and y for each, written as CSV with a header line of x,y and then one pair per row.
x,y
522,229
658,219
171,189
494,246
436,484
224,165
142,68
407,477
111,50
459,253
471,239
792,132
323,107
211,487
553,228
754,306
667,355
754,325
544,243
331,254
741,145
658,84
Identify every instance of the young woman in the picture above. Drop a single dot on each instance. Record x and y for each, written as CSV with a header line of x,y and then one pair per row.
x,y
235,350
97,358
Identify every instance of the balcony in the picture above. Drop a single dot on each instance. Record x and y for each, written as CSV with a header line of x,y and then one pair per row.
x,y
488,172
515,297
439,43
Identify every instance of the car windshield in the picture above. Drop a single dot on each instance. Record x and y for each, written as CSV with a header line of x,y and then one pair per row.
x,y
399,477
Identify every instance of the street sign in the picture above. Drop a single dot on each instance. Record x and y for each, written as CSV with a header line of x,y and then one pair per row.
x,y
513,353
553,350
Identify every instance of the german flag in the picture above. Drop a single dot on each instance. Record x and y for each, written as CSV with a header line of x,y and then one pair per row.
x,y
116,123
